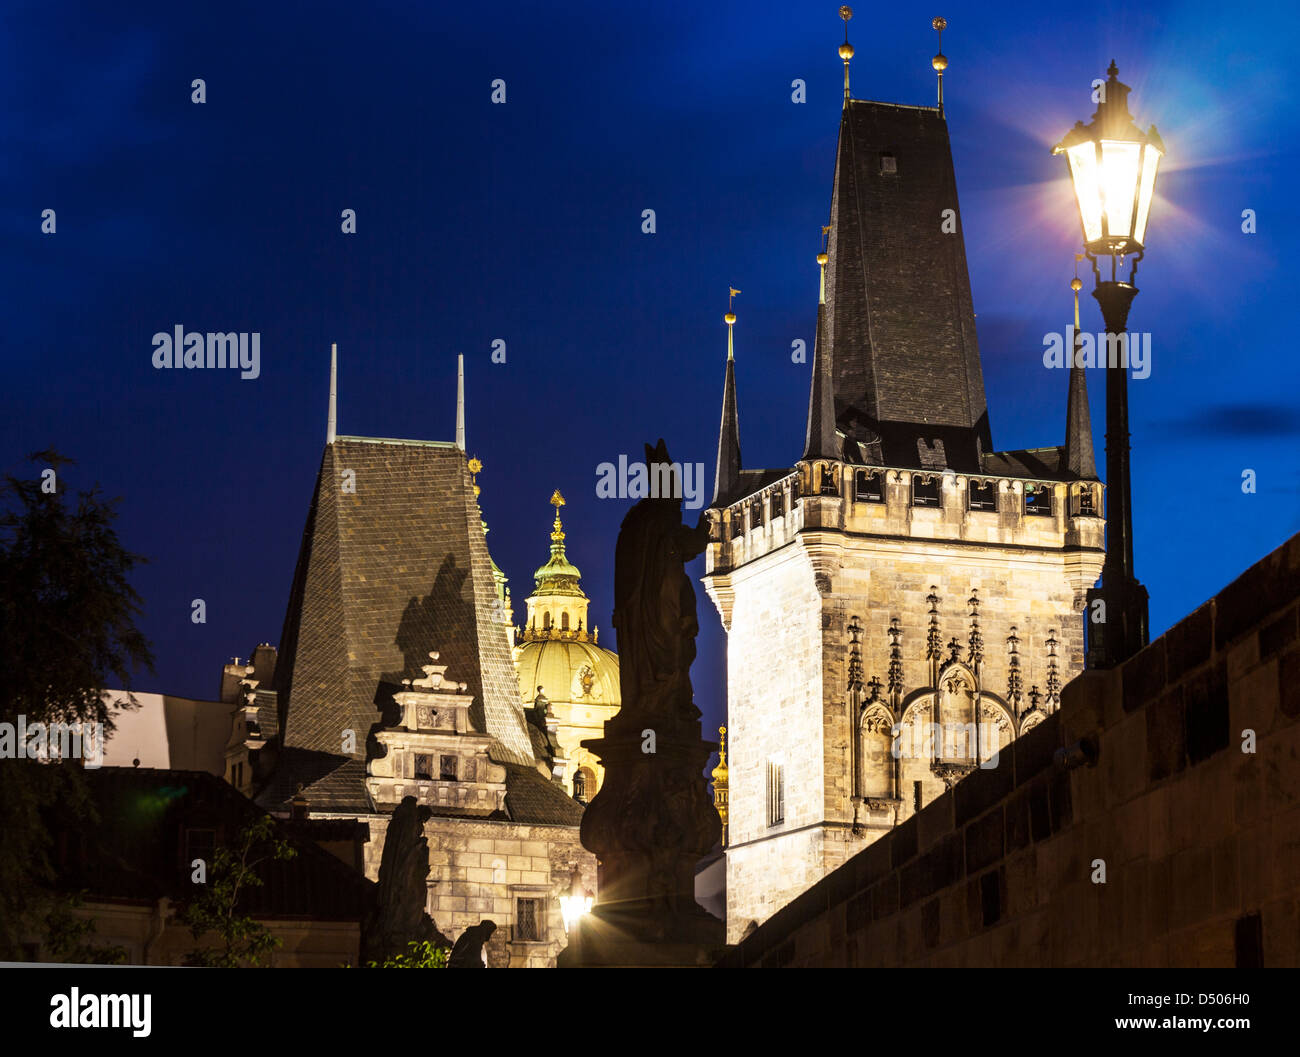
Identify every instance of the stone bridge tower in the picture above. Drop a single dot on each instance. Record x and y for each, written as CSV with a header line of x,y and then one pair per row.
x,y
903,600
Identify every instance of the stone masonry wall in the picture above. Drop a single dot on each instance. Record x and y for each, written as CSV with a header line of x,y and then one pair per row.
x,y
478,870
1191,808
774,681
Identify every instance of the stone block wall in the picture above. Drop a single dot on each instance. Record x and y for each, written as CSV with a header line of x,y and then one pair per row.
x,y
1178,845
478,869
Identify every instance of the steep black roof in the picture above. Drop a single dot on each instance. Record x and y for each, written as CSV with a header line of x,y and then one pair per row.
x,y
387,574
900,326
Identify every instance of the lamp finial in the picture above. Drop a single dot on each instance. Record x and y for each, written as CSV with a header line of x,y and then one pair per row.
x,y
846,49
940,61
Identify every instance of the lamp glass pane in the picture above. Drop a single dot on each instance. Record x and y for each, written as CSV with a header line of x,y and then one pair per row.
x,y
1087,189
1120,161
1150,162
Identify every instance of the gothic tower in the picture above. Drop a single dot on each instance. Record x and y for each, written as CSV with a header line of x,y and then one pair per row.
x,y
904,600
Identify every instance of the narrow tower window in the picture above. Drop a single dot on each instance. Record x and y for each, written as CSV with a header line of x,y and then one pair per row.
x,y
775,793
983,495
925,490
1038,500
869,486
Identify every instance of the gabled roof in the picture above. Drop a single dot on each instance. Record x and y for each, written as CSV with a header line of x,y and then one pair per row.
x,y
393,566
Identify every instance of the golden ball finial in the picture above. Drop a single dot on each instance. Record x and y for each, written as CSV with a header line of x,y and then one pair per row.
x,y
822,259
940,62
846,52
1076,284
939,22
730,318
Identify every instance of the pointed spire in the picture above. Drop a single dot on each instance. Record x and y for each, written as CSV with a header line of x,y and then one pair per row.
x,y
940,61
821,440
846,49
726,477
1079,457
332,421
460,401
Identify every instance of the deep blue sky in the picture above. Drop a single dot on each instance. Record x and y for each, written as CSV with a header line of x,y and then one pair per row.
x,y
522,222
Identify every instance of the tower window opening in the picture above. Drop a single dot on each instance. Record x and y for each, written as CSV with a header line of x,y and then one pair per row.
x,y
447,768
775,793
888,165
983,495
777,507
869,486
546,621
564,621
916,796
925,491
756,513
1086,506
828,485
1038,501
423,766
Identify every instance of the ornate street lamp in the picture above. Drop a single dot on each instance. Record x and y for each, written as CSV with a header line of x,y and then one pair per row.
x,y
577,903
1113,168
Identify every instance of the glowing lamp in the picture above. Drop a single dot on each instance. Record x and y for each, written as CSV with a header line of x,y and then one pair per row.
x,y
1113,168
577,903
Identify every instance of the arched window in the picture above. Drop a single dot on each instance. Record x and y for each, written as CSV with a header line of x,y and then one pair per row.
x,y
546,621
564,621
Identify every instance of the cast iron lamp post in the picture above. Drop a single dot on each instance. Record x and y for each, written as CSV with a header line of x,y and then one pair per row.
x,y
1113,168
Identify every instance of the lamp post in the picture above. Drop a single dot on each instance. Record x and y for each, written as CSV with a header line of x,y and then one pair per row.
x,y
1113,169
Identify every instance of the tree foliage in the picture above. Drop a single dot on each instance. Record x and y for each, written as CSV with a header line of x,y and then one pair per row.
x,y
67,634
243,940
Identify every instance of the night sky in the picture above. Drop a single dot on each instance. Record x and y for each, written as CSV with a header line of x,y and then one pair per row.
x,y
522,222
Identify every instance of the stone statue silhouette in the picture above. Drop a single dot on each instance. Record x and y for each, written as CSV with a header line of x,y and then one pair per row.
x,y
654,602
397,916
652,819
468,952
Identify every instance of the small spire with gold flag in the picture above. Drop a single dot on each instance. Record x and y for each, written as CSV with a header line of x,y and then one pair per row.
x,y
730,319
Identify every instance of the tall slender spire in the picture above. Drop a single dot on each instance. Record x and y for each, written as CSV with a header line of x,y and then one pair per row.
x,y
726,477
846,49
460,401
1080,459
821,440
332,421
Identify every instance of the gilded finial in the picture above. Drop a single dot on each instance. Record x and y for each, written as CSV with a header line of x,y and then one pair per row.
x,y
730,320
940,61
822,258
475,466
1076,284
846,49
557,501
